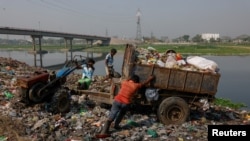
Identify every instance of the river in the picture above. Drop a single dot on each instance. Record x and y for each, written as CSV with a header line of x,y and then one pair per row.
x,y
234,70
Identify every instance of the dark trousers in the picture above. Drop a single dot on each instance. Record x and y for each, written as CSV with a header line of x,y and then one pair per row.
x,y
118,110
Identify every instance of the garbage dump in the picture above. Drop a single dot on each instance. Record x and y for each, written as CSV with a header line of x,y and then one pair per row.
x,y
19,122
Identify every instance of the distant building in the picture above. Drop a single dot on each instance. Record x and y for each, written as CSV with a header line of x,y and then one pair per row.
x,y
208,36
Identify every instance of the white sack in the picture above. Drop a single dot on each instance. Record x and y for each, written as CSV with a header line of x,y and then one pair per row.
x,y
160,63
203,63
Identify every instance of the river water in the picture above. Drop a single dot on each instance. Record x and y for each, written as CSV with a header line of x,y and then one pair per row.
x,y
235,70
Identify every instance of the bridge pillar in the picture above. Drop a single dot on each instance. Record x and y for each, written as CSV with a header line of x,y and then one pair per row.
x,y
67,49
91,42
35,51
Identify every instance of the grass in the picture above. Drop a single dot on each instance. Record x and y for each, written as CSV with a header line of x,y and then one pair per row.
x,y
184,49
204,49
228,103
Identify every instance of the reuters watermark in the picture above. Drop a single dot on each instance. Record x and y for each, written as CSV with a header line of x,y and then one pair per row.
x,y
241,132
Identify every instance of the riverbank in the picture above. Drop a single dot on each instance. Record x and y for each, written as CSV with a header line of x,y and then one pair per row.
x,y
185,49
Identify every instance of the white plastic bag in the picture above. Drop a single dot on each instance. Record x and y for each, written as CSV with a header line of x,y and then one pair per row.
x,y
152,94
203,63
160,63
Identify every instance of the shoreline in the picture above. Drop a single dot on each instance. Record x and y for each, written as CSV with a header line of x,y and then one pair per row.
x,y
185,49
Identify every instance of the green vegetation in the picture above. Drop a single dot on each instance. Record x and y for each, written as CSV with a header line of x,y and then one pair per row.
x,y
185,49
229,103
199,49
210,49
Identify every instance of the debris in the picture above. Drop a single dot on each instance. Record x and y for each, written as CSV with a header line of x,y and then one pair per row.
x,y
85,118
8,95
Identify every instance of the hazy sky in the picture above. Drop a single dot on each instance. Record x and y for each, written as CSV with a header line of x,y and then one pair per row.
x,y
172,18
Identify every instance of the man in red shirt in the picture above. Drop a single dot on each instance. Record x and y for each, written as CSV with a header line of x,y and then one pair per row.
x,y
122,101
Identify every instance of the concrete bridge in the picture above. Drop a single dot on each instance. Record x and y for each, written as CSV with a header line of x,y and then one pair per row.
x,y
41,33
38,34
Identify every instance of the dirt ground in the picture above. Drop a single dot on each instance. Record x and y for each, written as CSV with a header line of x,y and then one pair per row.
x,y
11,130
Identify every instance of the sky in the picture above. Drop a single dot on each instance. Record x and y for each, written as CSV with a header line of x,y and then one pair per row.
x,y
171,18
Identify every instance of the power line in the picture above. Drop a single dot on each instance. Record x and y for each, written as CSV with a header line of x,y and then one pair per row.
x,y
60,5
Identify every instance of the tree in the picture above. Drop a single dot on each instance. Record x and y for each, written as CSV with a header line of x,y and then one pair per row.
x,y
185,38
197,38
212,40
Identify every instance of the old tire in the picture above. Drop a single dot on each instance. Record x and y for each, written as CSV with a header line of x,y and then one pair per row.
x,y
173,110
60,102
33,93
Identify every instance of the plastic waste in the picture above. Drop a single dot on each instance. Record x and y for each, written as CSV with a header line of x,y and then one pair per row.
x,y
152,132
8,95
151,48
83,111
247,117
78,125
205,104
203,63
13,81
132,123
160,63
180,139
191,128
9,70
3,138
152,94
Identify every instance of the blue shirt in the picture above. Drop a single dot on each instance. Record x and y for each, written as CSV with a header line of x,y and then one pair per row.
x,y
87,71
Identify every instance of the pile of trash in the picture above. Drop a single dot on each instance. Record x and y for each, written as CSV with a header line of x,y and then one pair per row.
x,y
172,59
20,122
97,84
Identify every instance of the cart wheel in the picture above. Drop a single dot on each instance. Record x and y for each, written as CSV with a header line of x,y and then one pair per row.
x,y
60,102
33,93
173,110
